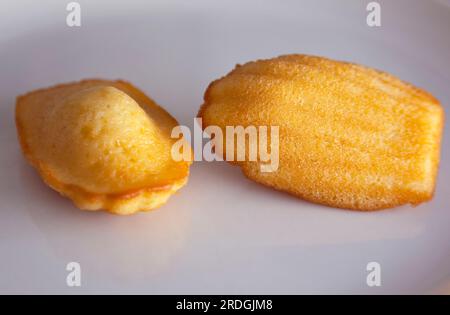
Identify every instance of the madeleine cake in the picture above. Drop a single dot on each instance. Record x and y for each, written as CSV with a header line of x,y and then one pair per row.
x,y
104,144
349,136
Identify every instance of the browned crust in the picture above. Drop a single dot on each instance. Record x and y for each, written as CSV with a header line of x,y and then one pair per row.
x,y
363,208
334,205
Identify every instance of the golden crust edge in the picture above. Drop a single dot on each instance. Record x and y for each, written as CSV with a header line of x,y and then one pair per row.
x,y
346,206
383,75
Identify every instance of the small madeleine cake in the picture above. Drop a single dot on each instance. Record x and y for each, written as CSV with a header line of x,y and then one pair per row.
x,y
104,144
349,136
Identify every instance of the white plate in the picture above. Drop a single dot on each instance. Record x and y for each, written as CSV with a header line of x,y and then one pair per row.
x,y
221,233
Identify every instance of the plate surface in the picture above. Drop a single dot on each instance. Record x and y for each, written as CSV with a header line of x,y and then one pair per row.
x,y
221,233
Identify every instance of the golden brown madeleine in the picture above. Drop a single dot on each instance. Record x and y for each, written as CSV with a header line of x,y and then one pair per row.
x,y
350,136
104,144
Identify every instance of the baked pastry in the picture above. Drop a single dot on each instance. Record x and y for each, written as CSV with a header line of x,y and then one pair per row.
x,y
104,144
349,136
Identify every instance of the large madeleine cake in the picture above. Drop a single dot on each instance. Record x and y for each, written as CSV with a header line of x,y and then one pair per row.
x,y
104,144
349,136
